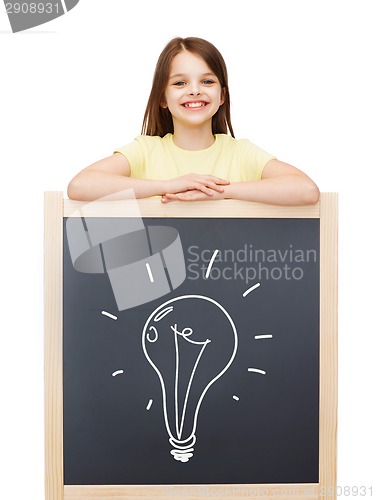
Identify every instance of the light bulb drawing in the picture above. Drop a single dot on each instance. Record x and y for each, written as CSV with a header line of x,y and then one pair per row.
x,y
188,358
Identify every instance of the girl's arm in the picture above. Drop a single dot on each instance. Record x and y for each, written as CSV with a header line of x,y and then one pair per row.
x,y
108,176
112,175
281,184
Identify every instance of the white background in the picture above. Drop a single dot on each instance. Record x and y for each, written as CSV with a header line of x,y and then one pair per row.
x,y
302,81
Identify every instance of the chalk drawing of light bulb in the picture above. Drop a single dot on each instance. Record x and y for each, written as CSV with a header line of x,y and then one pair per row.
x,y
190,341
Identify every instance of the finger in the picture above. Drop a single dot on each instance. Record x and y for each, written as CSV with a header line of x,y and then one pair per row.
x,y
185,196
217,180
204,189
217,187
207,191
212,185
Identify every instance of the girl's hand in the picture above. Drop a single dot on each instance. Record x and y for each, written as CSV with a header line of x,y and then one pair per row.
x,y
191,195
207,184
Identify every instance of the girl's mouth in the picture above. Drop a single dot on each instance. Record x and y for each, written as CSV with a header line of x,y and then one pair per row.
x,y
195,104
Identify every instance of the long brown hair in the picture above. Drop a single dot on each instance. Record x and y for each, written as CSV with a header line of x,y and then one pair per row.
x,y
158,120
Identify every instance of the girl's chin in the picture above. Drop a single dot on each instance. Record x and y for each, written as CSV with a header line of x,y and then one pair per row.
x,y
194,118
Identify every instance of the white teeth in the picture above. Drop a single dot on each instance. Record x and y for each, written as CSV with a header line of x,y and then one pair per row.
x,y
194,104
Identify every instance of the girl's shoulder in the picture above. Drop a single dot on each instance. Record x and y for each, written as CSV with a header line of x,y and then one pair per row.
x,y
230,142
152,144
152,139
142,146
243,148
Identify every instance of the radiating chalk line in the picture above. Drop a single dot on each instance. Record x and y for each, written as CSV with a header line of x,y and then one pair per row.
x,y
118,372
105,313
211,263
251,289
151,277
256,370
268,336
149,404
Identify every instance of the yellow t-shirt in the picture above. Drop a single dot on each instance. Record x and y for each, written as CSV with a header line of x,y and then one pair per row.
x,y
158,158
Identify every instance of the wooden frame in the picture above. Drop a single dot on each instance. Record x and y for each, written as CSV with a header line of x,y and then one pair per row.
x,y
55,209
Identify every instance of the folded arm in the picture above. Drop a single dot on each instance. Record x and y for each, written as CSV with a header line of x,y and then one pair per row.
x,y
281,184
108,176
112,175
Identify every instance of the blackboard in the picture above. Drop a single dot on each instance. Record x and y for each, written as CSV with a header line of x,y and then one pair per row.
x,y
252,427
261,405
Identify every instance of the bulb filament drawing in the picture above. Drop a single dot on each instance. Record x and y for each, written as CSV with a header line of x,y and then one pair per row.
x,y
190,341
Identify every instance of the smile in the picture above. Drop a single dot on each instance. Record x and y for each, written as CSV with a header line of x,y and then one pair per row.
x,y
195,104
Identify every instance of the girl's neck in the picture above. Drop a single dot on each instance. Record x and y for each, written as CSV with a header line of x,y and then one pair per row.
x,y
193,139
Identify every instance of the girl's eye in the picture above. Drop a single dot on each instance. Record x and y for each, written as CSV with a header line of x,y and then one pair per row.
x,y
208,82
179,84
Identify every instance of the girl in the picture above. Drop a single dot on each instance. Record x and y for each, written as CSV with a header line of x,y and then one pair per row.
x,y
185,152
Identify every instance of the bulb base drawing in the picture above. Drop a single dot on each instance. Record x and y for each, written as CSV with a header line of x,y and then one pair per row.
x,y
183,450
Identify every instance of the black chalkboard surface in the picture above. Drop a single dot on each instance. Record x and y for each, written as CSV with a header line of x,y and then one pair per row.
x,y
258,306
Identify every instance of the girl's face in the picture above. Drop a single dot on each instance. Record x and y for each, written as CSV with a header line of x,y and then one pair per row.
x,y
193,93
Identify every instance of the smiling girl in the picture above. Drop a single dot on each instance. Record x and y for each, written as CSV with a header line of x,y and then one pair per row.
x,y
187,150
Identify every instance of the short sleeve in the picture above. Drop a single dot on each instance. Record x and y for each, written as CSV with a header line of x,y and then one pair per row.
x,y
134,154
252,160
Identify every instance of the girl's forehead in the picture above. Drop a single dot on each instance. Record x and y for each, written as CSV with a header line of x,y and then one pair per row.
x,y
186,62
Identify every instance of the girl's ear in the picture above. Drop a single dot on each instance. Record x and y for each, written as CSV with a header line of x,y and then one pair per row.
x,y
163,103
223,96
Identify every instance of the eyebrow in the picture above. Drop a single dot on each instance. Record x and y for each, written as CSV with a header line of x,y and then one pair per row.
x,y
180,75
